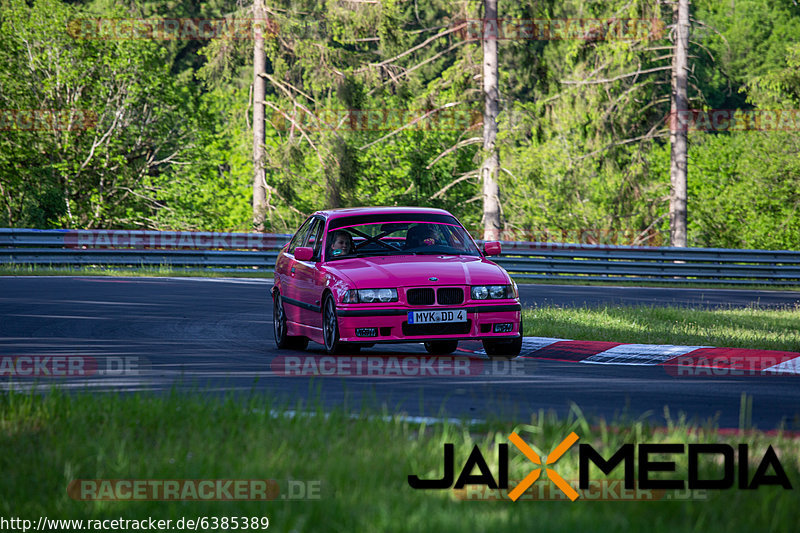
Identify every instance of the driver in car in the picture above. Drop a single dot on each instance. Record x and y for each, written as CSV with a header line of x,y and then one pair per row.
x,y
341,243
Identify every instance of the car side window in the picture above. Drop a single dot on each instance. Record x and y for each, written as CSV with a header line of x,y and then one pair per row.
x,y
301,236
315,237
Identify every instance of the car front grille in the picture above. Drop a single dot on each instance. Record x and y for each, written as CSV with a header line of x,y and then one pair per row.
x,y
450,296
420,296
452,328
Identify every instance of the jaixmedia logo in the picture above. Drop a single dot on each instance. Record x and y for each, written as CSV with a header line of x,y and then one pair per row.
x,y
647,474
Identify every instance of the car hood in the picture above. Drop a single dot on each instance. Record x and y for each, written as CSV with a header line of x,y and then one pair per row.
x,y
414,270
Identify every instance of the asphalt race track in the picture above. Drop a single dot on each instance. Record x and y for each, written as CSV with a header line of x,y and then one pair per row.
x,y
129,334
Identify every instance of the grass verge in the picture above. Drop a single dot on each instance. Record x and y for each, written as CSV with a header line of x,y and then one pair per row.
x,y
362,463
751,327
622,282
167,271
142,272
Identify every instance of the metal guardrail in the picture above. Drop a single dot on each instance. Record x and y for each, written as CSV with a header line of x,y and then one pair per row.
x,y
225,252
246,252
590,262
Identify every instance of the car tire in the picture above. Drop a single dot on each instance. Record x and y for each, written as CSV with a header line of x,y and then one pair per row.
x,y
504,349
330,331
330,327
441,347
279,329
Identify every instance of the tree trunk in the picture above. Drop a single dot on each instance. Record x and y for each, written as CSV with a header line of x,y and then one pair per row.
x,y
259,135
491,165
678,134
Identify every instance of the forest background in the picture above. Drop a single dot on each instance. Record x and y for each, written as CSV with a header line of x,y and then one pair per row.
x,y
102,127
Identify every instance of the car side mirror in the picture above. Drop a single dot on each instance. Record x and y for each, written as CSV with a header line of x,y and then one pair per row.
x,y
492,248
303,253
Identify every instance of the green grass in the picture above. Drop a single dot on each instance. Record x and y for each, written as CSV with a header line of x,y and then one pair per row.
x,y
768,329
361,461
167,271
622,282
145,271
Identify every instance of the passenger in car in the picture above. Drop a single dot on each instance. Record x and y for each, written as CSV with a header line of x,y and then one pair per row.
x,y
421,235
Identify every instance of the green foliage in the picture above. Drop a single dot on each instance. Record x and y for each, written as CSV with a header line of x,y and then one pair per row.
x,y
583,132
759,173
106,171
580,147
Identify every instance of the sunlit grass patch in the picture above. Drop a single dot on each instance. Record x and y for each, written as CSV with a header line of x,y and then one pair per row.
x,y
361,459
143,271
751,327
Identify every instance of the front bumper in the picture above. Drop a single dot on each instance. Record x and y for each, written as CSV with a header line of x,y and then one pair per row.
x,y
391,323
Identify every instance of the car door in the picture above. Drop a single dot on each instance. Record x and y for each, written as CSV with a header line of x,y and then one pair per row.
x,y
286,275
306,277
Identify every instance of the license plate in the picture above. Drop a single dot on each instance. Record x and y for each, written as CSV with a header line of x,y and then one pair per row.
x,y
437,317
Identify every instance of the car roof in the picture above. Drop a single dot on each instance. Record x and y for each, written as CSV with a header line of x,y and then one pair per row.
x,y
351,211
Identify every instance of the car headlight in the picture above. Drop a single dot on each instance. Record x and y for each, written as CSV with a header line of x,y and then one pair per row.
x,y
368,296
492,292
480,292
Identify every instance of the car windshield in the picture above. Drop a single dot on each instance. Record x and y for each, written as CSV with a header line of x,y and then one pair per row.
x,y
408,237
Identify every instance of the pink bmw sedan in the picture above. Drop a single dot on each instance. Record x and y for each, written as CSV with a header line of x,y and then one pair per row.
x,y
357,277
